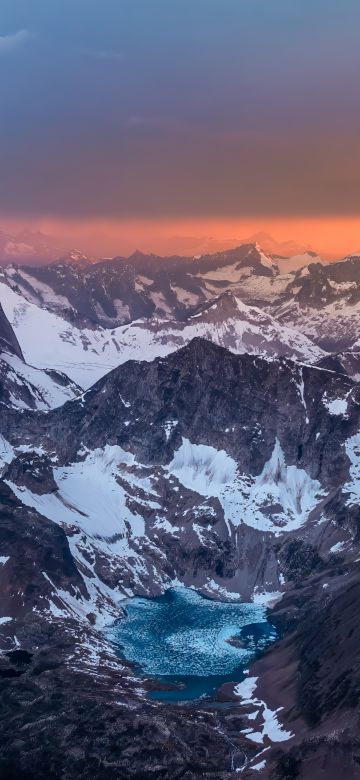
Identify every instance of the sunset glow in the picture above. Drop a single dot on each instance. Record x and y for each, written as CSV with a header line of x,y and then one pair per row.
x,y
330,237
204,120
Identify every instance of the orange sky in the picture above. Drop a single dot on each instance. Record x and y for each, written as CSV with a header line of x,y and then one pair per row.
x,y
331,237
160,124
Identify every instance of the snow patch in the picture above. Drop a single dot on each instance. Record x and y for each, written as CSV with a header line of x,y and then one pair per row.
x,y
169,427
45,391
266,599
270,726
7,453
89,495
352,447
336,407
337,547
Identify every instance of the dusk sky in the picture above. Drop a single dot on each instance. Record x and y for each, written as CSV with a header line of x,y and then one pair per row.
x,y
130,119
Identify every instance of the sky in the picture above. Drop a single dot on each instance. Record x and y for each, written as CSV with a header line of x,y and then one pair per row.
x,y
127,120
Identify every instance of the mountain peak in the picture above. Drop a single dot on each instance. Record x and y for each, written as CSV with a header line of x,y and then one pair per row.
x,y
75,257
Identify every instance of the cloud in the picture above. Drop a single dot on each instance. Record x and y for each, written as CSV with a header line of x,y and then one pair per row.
x,y
14,40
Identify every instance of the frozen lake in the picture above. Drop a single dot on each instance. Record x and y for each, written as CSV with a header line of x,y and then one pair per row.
x,y
185,639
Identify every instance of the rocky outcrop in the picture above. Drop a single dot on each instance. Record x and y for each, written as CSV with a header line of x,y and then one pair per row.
x,y
8,340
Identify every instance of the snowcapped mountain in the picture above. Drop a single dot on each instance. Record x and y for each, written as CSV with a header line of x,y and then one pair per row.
x,y
215,468
86,354
286,251
75,257
323,302
98,316
115,292
111,293
215,445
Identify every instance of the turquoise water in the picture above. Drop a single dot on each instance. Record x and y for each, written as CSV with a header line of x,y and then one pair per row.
x,y
181,639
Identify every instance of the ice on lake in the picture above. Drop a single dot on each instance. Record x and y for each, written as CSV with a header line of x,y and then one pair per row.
x,y
182,638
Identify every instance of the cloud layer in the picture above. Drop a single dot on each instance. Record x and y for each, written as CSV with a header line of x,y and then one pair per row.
x,y
184,109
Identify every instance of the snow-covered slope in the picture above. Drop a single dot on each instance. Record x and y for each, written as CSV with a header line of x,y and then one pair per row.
x,y
23,386
86,354
296,261
335,327
143,306
26,387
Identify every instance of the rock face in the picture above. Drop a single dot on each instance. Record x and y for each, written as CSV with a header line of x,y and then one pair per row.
x,y
234,474
32,545
313,674
8,340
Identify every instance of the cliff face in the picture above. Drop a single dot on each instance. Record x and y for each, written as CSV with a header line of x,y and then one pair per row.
x,y
8,340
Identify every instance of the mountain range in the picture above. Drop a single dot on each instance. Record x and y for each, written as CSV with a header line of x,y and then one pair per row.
x,y
36,248
98,315
170,422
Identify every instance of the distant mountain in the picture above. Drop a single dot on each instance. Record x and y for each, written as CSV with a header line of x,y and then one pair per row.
x,y
77,258
34,248
284,249
205,245
113,292
28,247
97,315
162,305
